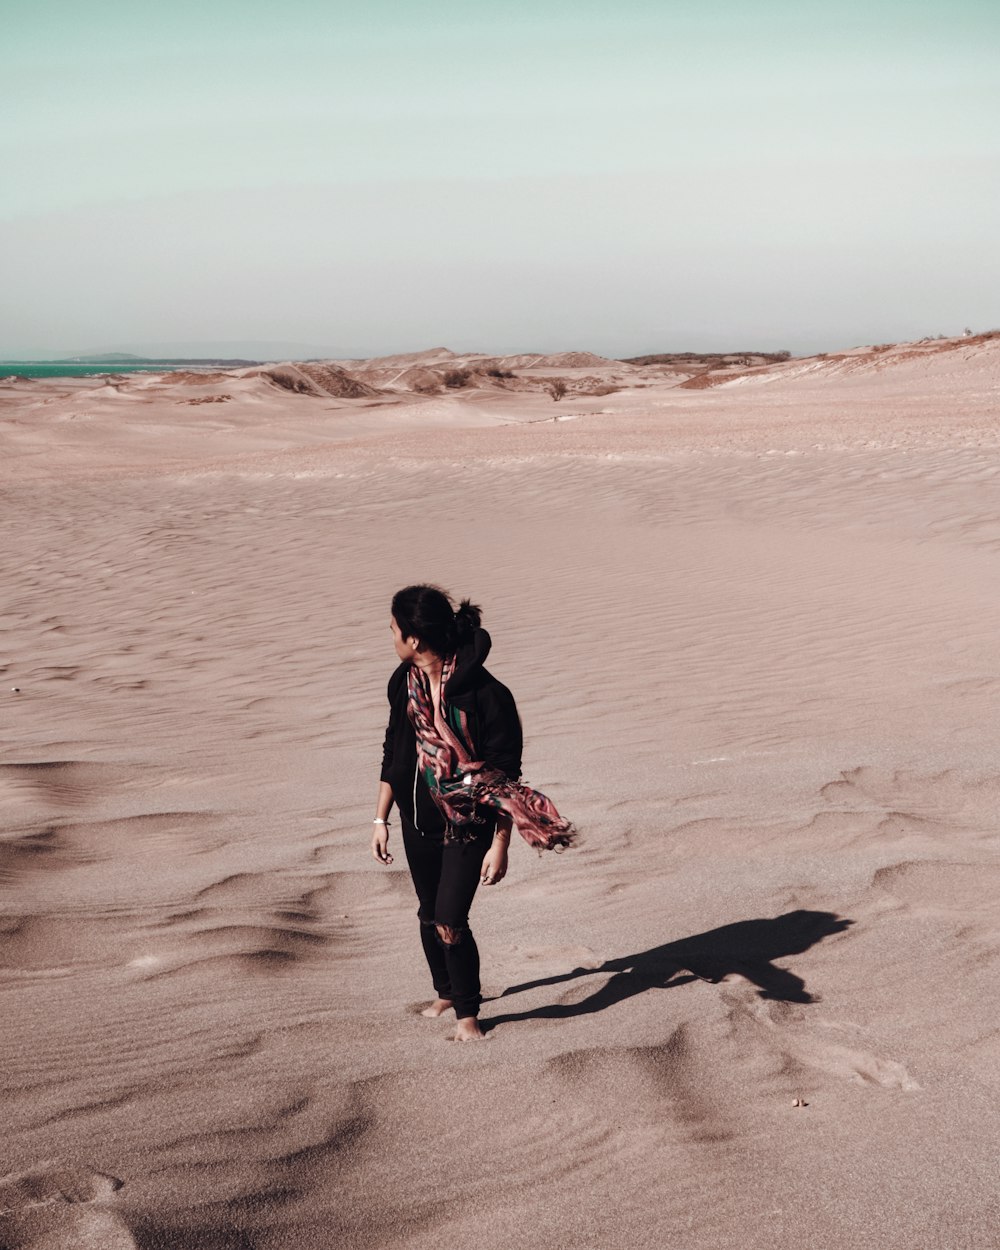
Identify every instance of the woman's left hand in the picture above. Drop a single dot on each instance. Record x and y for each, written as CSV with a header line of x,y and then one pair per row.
x,y
494,864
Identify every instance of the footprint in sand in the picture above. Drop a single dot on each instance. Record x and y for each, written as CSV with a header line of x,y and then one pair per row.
x,y
61,1208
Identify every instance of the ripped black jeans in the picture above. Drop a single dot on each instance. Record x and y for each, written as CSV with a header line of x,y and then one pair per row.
x,y
446,878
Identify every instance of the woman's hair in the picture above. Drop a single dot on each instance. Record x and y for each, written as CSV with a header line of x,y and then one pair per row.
x,y
427,613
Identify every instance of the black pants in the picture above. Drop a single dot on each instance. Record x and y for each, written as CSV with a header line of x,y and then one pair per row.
x,y
445,878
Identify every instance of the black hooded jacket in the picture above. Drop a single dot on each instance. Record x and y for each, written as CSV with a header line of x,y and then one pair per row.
x,y
493,722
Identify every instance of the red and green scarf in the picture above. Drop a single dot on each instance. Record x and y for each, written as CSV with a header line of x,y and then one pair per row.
x,y
460,784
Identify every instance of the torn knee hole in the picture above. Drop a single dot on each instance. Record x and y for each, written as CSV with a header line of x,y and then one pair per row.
x,y
448,935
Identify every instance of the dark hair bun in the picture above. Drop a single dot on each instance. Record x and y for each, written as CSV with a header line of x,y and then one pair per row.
x,y
467,620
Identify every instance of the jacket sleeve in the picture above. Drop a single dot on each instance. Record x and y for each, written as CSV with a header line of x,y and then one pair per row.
x,y
390,738
500,730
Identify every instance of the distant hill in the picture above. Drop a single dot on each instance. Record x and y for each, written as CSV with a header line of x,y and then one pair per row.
x,y
104,358
748,359
127,358
217,349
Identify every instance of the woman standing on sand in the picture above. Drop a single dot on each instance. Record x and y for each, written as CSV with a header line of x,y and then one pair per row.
x,y
451,763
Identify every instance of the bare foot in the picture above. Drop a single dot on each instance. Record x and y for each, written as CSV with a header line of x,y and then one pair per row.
x,y
437,1008
468,1030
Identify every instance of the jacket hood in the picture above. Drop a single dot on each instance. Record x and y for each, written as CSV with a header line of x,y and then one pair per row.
x,y
469,661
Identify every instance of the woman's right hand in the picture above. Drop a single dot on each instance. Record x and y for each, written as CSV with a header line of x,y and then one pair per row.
x,y
380,844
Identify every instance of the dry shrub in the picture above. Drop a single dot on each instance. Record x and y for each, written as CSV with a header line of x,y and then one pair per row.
x,y
557,389
456,378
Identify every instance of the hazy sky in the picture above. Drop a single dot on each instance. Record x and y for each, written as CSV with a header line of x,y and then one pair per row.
x,y
390,175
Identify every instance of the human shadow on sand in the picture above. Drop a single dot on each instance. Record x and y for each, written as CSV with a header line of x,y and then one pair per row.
x,y
747,947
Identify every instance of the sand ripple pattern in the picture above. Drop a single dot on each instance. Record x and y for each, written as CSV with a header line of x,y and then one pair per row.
x,y
754,643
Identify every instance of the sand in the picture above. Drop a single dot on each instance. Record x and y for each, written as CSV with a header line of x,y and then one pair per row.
x,y
752,631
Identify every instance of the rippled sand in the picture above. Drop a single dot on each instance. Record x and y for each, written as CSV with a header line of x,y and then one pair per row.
x,y
753,634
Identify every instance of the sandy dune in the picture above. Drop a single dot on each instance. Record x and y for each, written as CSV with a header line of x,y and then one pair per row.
x,y
752,628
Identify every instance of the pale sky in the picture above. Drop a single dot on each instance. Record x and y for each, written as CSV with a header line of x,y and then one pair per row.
x,y
389,175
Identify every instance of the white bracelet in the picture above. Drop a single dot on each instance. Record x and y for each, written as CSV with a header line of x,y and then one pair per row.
x,y
379,821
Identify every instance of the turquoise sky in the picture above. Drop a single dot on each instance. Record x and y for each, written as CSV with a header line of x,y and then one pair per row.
x,y
386,176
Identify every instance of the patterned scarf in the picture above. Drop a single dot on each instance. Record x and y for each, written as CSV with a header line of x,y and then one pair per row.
x,y
459,783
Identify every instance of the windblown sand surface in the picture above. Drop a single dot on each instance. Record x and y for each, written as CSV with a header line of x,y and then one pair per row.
x,y
752,629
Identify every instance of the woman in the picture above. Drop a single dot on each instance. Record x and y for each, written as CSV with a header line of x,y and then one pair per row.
x,y
451,763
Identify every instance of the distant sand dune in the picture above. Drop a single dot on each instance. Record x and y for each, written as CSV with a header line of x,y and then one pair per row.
x,y
316,379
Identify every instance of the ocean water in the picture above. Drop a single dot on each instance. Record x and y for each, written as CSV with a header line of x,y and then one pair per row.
x,y
58,369
95,368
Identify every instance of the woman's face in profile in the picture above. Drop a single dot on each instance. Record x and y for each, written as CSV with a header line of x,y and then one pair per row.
x,y
402,650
